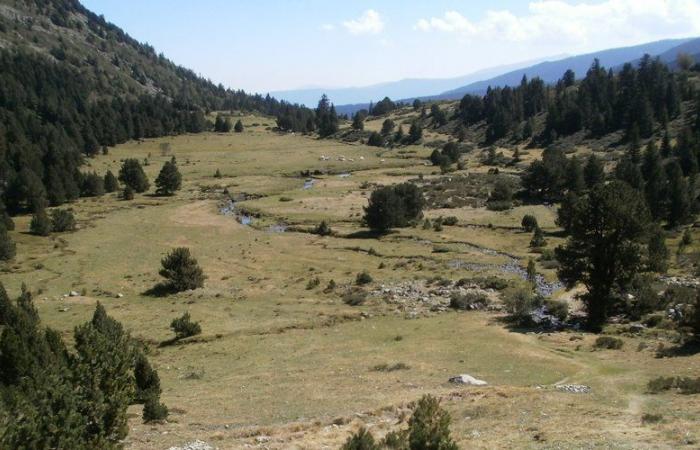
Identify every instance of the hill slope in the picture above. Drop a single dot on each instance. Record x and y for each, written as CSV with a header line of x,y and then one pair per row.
x,y
551,71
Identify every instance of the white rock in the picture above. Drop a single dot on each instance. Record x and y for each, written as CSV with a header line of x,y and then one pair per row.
x,y
468,380
120,295
74,294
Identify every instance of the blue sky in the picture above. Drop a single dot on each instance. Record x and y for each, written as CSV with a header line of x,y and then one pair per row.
x,y
267,45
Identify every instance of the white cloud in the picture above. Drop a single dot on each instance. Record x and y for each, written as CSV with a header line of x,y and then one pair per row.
x,y
584,24
327,27
370,22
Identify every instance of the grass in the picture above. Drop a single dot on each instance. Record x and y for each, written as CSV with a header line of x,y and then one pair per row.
x,y
278,359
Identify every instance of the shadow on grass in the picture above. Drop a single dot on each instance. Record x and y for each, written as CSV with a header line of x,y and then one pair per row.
x,y
688,348
160,290
368,234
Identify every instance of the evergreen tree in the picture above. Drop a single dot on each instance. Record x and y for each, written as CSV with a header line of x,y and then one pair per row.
x,y
630,173
181,270
574,179
169,179
110,182
375,140
132,175
184,327
92,185
40,224
655,186
394,206
415,133
593,172
657,258
62,220
128,193
361,440
146,379
666,149
326,117
603,251
678,200
388,127
8,248
358,121
399,136
238,128
429,426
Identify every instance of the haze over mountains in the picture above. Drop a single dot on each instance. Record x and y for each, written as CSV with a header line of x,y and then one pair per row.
x,y
349,100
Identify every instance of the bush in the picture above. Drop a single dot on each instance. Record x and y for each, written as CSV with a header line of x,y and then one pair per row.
x,y
128,193
238,128
429,427
92,185
146,379
62,220
557,308
469,300
537,240
450,221
363,278
375,140
313,283
394,206
361,440
609,343
154,410
529,223
110,182
390,367
355,297
644,299
184,327
323,229
181,270
685,385
520,302
40,224
169,179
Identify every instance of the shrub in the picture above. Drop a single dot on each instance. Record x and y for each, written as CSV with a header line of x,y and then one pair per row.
x,y
238,128
217,174
323,229
128,193
429,426
330,287
520,302
110,182
146,378
375,140
394,206
181,270
184,327
390,367
154,410
62,220
363,278
609,343
355,297
537,238
685,385
557,308
361,440
468,300
40,224
450,221
644,299
494,205
92,185
313,283
490,282
529,223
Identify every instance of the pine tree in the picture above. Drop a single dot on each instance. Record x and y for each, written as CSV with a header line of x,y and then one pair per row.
x,y
132,175
238,128
40,224
603,251
181,270
8,248
531,271
575,181
657,258
388,127
678,201
358,121
593,172
128,193
666,149
415,133
169,179
429,426
5,219
655,186
399,135
110,182
62,220
146,379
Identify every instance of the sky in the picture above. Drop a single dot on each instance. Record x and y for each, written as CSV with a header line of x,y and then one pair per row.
x,y
269,45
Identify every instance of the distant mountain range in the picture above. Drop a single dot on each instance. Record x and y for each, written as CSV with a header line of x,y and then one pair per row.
x,y
411,87
350,100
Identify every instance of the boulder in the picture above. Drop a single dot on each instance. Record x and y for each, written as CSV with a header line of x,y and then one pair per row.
x,y
468,380
73,294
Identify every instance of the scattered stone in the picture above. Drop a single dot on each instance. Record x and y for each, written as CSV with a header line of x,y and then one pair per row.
x,y
574,388
468,380
194,445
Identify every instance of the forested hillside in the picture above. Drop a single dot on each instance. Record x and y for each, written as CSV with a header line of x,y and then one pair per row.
x,y
71,83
